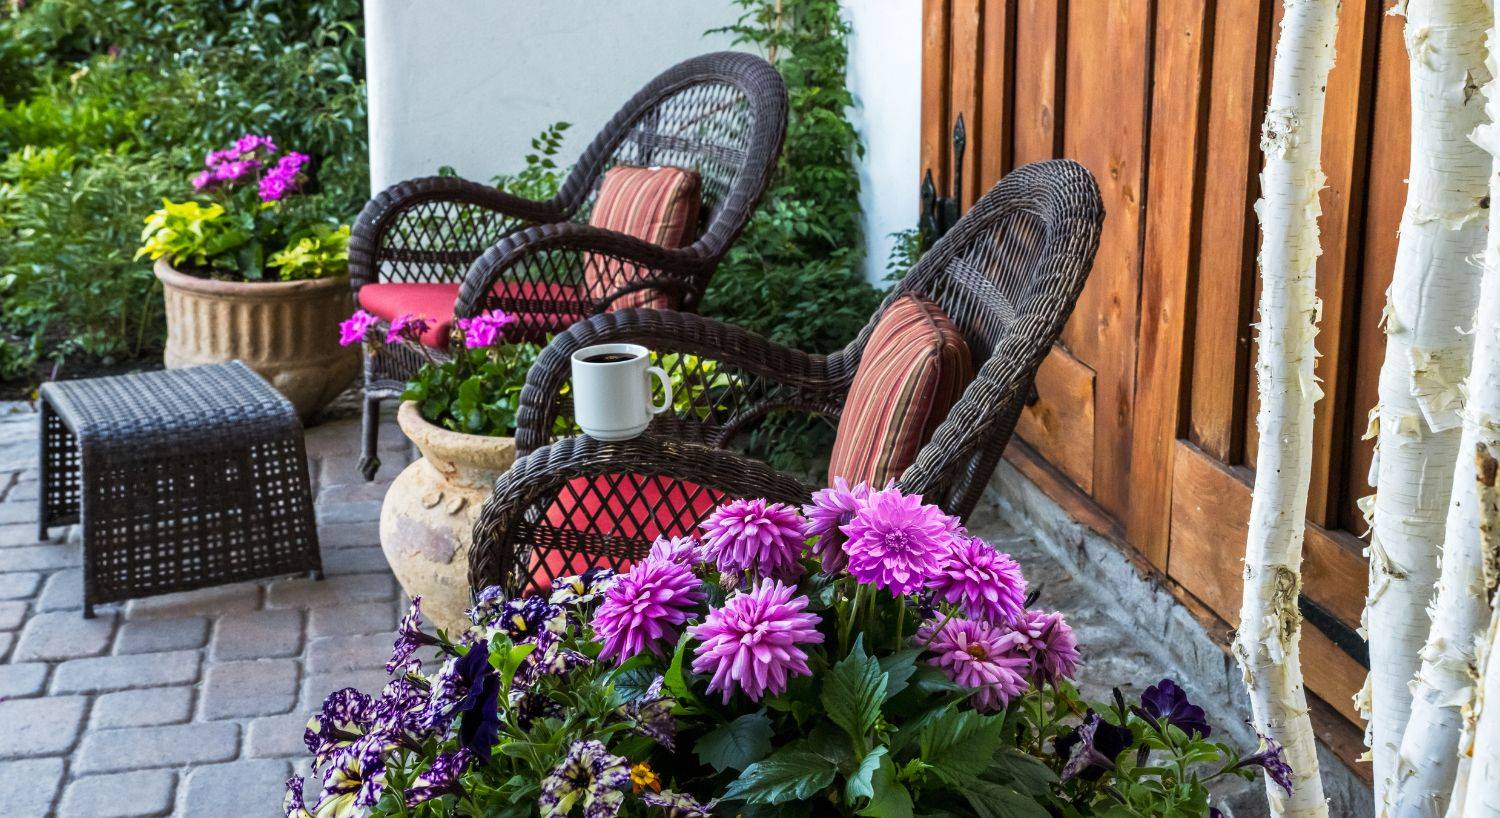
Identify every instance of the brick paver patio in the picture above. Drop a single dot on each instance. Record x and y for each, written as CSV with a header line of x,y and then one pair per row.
x,y
170,705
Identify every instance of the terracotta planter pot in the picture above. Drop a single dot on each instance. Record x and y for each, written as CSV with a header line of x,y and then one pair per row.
x,y
427,521
287,331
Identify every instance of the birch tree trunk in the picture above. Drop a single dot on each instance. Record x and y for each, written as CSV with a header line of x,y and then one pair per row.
x,y
1267,644
1431,304
1482,799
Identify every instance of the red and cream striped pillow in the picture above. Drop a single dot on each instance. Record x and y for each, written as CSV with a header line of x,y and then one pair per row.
x,y
658,205
914,368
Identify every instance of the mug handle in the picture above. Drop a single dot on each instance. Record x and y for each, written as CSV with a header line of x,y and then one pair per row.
x,y
666,388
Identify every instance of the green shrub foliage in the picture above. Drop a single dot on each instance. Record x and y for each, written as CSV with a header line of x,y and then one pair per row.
x,y
795,274
107,105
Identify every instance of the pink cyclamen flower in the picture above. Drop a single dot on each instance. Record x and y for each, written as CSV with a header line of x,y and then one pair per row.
x,y
1050,643
831,508
408,327
752,643
985,583
755,536
645,608
896,542
353,329
485,329
979,656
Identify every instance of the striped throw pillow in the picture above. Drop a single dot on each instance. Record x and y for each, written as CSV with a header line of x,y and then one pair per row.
x,y
914,368
658,205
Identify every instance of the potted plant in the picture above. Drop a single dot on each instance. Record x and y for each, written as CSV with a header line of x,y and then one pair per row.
x,y
865,657
251,271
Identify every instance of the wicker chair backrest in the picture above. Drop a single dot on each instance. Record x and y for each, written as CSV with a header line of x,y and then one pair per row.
x,y
1008,274
721,115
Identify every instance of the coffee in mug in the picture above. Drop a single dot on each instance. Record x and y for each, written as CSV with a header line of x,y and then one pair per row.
x,y
612,390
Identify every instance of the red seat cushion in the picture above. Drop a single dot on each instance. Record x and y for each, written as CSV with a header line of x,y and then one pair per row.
x,y
913,369
635,507
658,205
539,309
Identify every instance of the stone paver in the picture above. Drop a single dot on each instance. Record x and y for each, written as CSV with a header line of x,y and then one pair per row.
x,y
19,585
335,654
255,634
261,687
12,614
42,558
40,727
21,680
361,560
317,686
366,617
301,592
258,787
104,673
120,795
142,708
156,635
276,736
28,788
349,535
135,748
222,599
65,635
63,592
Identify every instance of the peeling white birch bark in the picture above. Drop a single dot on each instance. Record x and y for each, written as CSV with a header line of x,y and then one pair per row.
x,y
1481,769
1267,643
1416,721
1431,303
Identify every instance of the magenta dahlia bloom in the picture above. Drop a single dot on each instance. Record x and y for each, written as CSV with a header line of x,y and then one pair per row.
x,y
831,508
1050,643
752,643
484,329
353,329
980,656
896,542
755,536
685,550
646,608
985,583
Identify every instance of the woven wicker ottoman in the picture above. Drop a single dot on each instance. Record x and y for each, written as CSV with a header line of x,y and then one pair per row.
x,y
180,479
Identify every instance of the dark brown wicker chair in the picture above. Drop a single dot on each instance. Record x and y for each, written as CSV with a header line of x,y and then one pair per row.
x,y
1008,274
722,115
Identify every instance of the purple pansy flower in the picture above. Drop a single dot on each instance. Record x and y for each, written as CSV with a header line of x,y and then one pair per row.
x,y
440,778
983,582
679,804
645,609
896,542
753,642
1092,748
589,774
756,537
1166,701
979,656
1050,643
830,510
352,330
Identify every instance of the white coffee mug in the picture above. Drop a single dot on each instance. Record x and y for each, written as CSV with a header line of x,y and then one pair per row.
x,y
612,390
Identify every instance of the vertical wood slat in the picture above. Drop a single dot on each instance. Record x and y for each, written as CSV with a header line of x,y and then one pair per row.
x,y
1038,107
1385,198
966,65
996,94
1169,276
1221,327
935,120
1105,132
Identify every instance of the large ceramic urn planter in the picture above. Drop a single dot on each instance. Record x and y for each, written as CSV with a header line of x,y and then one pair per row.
x,y
287,331
427,521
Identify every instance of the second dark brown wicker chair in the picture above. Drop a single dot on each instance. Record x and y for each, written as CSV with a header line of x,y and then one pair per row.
x,y
721,115
1008,274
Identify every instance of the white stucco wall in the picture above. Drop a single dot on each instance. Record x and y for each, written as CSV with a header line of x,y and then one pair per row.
x,y
468,83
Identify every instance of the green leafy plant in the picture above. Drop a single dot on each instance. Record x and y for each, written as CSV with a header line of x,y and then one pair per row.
x,y
322,250
794,276
191,234
540,177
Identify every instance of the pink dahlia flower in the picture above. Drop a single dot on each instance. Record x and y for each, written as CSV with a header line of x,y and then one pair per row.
x,y
896,542
485,329
1050,643
646,608
831,508
985,583
752,642
406,326
353,329
755,536
685,550
980,656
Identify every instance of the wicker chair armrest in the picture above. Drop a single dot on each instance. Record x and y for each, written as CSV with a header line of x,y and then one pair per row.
x,y
500,552
782,376
371,232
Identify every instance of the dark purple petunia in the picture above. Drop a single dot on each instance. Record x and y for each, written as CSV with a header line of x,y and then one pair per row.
x,y
401,709
652,714
409,639
467,686
1272,759
1165,700
549,658
679,804
440,778
1092,748
347,715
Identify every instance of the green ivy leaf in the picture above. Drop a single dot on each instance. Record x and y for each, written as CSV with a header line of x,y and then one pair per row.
x,y
791,774
853,691
736,745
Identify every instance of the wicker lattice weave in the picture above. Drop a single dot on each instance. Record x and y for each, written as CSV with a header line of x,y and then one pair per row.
x,y
1008,275
180,479
720,115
